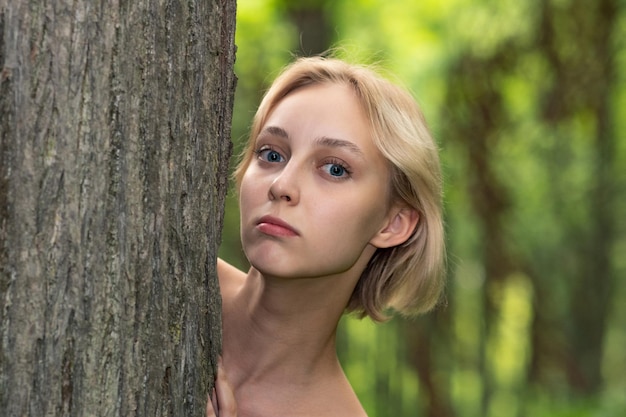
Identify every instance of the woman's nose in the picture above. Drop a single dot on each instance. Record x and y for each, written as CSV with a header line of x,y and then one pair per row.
x,y
285,186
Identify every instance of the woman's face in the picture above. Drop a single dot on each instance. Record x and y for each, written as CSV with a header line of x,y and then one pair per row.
x,y
316,192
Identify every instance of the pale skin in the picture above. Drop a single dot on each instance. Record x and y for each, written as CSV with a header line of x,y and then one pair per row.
x,y
315,205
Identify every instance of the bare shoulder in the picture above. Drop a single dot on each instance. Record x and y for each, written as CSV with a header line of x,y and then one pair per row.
x,y
231,279
353,406
340,398
348,406
328,399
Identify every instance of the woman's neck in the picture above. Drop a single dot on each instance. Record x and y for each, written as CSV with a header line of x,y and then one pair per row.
x,y
279,343
275,328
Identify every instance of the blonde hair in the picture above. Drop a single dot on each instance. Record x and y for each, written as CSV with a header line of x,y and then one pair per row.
x,y
408,278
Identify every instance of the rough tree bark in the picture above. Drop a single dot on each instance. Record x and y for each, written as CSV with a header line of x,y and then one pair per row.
x,y
114,144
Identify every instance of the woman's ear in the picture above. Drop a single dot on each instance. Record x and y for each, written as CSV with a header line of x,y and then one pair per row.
x,y
398,228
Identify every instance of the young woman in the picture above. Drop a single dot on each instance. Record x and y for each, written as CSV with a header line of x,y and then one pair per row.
x,y
340,198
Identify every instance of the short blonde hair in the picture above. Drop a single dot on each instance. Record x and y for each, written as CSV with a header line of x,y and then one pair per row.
x,y
408,278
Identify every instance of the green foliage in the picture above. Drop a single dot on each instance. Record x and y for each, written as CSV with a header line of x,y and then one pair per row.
x,y
529,110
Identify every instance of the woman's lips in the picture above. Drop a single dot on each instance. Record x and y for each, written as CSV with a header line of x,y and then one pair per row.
x,y
274,226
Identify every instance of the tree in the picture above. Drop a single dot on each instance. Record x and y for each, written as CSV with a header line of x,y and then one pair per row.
x,y
114,146
579,91
313,24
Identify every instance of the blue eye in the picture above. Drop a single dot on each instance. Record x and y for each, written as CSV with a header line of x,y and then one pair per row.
x,y
336,170
270,155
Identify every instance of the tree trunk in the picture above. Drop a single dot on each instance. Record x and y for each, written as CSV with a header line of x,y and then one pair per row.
x,y
478,113
314,28
580,92
114,146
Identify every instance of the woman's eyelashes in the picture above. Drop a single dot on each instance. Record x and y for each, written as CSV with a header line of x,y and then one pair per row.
x,y
334,168
268,154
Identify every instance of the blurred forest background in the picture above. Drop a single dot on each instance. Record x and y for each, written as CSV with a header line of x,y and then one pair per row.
x,y
527,100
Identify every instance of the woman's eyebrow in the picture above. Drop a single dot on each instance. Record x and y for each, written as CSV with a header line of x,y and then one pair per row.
x,y
339,143
275,131
323,141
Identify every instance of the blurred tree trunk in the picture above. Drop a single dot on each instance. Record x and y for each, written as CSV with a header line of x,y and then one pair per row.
x,y
582,88
314,28
479,114
428,354
114,145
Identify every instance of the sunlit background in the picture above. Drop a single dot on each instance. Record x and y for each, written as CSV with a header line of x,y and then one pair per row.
x,y
527,100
